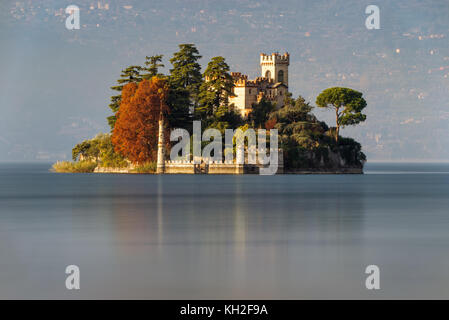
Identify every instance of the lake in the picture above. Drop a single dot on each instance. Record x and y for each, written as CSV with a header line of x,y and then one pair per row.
x,y
225,237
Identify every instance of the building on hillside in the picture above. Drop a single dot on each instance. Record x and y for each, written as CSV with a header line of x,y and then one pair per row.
x,y
272,84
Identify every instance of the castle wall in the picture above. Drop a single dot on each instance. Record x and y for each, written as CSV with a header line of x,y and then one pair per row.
x,y
239,98
243,99
216,168
221,167
280,94
179,168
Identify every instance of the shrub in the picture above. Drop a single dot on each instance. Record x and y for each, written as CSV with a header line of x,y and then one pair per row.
x,y
148,167
99,149
74,167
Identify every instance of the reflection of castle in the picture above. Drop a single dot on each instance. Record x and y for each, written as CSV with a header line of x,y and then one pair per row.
x,y
273,84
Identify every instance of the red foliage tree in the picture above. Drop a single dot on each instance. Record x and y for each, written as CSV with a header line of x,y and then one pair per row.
x,y
136,130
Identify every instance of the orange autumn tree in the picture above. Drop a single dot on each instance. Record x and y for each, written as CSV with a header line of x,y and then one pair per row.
x,y
136,130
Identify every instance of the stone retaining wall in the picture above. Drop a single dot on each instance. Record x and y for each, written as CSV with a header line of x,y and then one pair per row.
x,y
112,170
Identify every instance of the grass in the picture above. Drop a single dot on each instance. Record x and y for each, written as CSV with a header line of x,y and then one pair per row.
x,y
74,167
87,166
149,167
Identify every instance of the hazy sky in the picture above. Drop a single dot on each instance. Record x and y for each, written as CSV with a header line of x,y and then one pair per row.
x,y
54,83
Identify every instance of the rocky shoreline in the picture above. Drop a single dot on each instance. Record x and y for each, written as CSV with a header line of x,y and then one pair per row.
x,y
105,170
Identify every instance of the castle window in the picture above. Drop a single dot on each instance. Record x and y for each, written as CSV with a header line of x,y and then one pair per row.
x,y
281,76
268,74
249,91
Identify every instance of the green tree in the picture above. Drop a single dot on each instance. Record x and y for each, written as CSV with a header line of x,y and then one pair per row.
x,y
186,72
108,156
225,118
83,149
259,114
153,64
302,106
347,104
216,88
130,74
99,149
288,99
184,82
297,126
179,103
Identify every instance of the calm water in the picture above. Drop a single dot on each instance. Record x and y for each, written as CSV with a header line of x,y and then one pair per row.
x,y
257,237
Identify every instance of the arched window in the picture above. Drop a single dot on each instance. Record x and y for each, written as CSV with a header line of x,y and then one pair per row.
x,y
268,74
281,76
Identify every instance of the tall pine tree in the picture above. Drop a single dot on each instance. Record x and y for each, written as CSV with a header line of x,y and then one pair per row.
x,y
134,74
130,74
216,89
186,72
153,64
184,81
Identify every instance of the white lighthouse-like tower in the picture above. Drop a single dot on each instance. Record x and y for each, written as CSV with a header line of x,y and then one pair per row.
x,y
161,146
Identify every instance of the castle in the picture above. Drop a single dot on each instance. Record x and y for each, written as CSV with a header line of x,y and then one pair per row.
x,y
272,85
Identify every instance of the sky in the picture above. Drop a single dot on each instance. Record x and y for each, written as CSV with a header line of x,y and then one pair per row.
x,y
55,83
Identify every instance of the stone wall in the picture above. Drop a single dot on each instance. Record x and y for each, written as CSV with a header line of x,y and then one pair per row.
x,y
179,168
112,170
325,171
188,167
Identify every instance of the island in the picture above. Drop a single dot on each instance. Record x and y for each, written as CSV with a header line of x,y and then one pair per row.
x,y
149,106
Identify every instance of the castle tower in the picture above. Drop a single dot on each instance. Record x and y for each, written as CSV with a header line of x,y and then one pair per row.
x,y
275,67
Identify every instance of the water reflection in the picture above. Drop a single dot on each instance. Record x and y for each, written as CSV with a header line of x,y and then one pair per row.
x,y
160,210
137,236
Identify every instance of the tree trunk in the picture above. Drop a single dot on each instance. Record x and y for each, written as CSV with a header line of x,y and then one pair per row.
x,y
337,131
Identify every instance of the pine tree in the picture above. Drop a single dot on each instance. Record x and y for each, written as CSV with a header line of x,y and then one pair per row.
x,y
130,74
216,89
186,72
152,64
347,104
184,82
260,113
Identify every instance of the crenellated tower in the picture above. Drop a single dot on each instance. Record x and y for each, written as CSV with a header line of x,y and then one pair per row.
x,y
275,67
